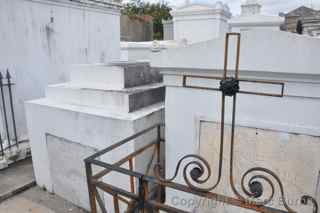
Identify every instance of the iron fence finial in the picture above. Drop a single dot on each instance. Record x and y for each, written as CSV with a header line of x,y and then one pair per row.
x,y
8,76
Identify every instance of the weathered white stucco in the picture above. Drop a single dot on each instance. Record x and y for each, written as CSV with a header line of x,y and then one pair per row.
x,y
39,38
200,22
261,50
264,56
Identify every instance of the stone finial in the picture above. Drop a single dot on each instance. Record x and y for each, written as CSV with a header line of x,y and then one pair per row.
x,y
155,46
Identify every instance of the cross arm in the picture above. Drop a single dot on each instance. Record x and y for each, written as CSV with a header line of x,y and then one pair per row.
x,y
281,85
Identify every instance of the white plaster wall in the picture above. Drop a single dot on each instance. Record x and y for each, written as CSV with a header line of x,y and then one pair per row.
x,y
273,51
37,51
289,156
69,181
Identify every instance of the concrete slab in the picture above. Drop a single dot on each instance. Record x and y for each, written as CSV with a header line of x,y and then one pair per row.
x,y
102,96
118,75
36,200
16,177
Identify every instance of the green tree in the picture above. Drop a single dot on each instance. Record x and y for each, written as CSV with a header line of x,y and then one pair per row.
x,y
159,12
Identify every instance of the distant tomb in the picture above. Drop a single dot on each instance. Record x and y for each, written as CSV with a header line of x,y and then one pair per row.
x,y
251,18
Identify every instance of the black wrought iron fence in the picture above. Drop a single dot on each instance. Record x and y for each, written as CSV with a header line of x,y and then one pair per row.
x,y
8,136
146,193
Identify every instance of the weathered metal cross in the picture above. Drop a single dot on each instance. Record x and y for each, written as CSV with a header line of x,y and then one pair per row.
x,y
230,86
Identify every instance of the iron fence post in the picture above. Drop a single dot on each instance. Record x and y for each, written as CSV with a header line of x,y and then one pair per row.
x,y
8,76
143,193
1,146
4,110
91,190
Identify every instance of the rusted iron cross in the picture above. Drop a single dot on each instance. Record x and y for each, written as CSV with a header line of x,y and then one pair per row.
x,y
251,194
230,86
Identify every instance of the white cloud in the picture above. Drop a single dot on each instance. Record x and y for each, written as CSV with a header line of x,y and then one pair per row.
x,y
269,6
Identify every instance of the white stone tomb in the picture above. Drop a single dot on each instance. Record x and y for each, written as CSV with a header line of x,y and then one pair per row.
x,y
197,22
252,18
101,105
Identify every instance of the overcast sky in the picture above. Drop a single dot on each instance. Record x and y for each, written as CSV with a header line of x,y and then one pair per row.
x,y
269,6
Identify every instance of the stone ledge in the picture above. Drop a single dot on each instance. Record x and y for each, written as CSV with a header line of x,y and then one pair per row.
x,y
100,96
17,190
117,75
102,6
99,112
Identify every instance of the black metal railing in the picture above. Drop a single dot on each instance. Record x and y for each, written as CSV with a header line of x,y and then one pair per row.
x,y
8,137
138,193
146,192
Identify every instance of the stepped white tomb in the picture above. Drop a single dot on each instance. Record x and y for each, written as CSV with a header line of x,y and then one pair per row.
x,y
101,105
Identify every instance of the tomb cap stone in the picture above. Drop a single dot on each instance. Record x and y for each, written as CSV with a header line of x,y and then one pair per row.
x,y
117,74
102,96
106,6
250,7
251,17
190,9
207,20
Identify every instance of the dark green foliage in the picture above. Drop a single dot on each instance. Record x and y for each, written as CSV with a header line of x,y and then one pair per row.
x,y
159,12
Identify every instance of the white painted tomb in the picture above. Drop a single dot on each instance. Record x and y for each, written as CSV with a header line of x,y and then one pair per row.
x,y
197,22
252,18
41,38
282,134
101,105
